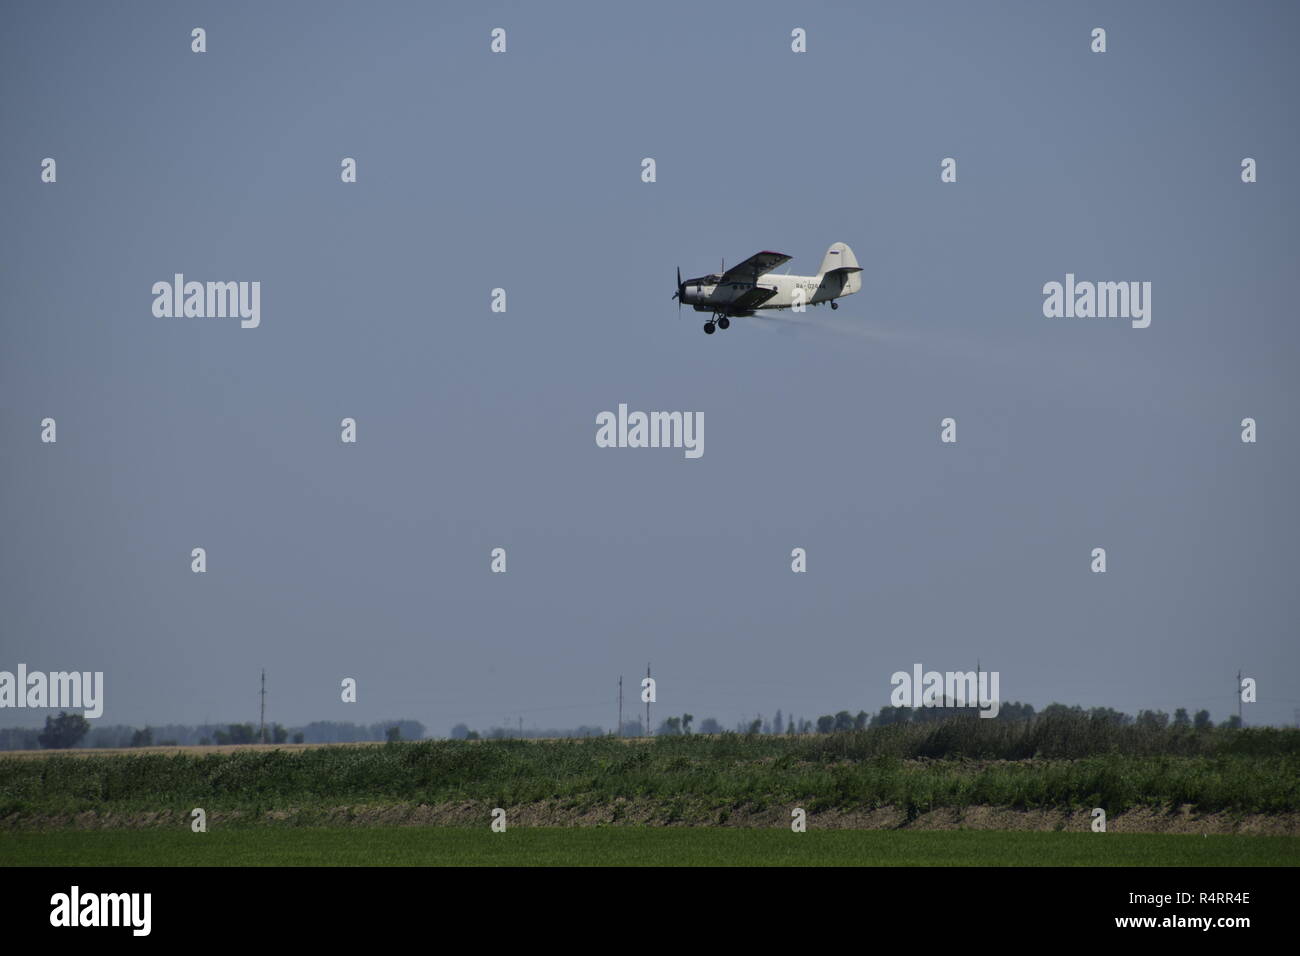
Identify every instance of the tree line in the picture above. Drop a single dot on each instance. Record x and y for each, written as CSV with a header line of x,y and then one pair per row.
x,y
842,721
73,730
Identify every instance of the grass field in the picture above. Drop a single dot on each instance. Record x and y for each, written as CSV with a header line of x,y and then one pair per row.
x,y
635,846
692,780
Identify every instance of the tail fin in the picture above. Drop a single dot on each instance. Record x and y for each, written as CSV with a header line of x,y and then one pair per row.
x,y
841,261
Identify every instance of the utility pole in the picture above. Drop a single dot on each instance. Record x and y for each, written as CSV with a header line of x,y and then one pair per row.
x,y
620,706
521,726
262,732
647,703
1239,722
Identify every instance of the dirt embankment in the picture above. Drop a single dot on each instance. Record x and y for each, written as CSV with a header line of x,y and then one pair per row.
x,y
654,813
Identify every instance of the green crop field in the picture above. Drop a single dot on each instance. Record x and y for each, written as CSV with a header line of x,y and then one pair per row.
x,y
962,792
728,779
635,846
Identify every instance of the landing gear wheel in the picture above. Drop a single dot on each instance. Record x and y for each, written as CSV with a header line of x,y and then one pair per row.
x,y
724,323
835,305
708,328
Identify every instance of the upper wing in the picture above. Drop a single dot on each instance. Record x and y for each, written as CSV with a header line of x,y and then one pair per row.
x,y
755,266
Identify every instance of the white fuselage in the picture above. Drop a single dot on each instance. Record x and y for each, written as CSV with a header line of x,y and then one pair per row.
x,y
708,294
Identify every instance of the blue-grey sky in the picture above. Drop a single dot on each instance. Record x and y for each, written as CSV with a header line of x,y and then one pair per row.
x,y
476,429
